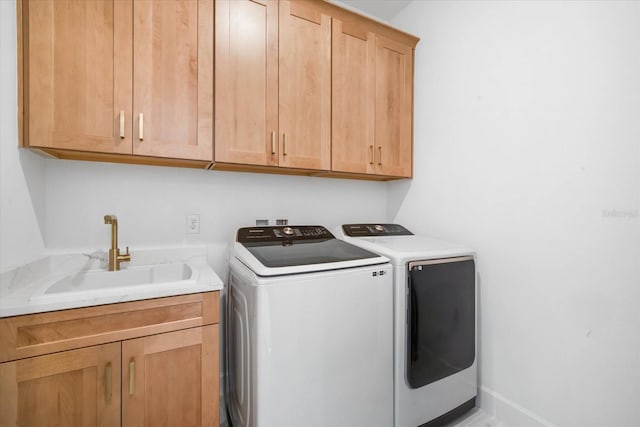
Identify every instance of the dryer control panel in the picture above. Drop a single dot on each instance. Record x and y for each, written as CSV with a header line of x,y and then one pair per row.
x,y
367,230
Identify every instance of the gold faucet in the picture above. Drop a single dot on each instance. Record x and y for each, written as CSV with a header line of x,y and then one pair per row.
x,y
115,257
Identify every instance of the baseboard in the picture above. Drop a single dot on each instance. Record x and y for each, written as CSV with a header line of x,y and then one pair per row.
x,y
509,413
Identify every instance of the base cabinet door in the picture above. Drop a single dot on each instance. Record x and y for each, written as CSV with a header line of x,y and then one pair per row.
x,y
171,379
75,388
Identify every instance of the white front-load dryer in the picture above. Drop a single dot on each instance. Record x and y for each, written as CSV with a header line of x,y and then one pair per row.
x,y
435,305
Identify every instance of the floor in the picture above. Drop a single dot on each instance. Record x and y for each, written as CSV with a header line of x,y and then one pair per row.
x,y
477,418
474,418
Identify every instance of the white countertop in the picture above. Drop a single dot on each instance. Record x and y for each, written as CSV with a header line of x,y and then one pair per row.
x,y
23,289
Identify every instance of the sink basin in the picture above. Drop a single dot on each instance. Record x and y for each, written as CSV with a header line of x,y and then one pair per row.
x,y
63,281
130,278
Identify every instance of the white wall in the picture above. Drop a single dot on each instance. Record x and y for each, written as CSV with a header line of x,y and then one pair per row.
x,y
60,204
21,173
152,204
527,137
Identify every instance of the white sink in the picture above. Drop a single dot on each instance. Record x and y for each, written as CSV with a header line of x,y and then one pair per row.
x,y
73,280
132,276
129,280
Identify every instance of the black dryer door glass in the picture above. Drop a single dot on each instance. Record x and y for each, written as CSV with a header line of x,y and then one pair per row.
x,y
440,319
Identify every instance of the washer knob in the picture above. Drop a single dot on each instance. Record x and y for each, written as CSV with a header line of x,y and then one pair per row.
x,y
288,231
379,228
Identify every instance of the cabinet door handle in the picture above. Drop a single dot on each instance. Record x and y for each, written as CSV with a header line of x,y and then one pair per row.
x,y
284,144
121,124
140,127
273,143
107,382
380,152
371,157
132,377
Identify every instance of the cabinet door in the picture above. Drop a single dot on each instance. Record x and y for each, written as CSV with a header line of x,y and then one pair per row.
x,y
76,388
246,78
171,379
173,78
353,98
305,86
77,74
394,108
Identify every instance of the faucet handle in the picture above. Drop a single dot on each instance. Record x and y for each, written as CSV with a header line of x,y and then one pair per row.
x,y
127,253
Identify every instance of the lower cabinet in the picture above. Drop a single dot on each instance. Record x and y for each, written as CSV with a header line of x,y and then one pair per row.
x,y
171,379
160,379
72,388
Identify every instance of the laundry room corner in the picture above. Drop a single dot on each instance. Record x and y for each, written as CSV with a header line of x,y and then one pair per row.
x,y
526,140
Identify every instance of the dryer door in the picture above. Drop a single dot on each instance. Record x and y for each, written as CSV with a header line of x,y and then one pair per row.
x,y
441,319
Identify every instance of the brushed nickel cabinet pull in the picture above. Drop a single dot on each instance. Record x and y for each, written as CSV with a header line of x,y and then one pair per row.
x,y
273,143
371,157
140,127
121,124
132,377
107,382
380,152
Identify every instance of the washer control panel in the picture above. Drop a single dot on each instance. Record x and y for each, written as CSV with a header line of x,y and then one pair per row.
x,y
367,230
280,233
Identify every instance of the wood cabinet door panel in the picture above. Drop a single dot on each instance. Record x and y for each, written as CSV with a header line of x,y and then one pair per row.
x,y
77,74
394,108
246,78
353,99
76,388
171,379
304,86
173,75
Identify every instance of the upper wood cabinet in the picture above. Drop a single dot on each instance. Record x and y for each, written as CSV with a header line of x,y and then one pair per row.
x,y
394,108
372,103
273,84
246,81
77,74
353,98
119,77
301,86
173,78
306,85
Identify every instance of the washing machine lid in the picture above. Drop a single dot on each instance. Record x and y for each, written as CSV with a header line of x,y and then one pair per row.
x,y
399,244
275,251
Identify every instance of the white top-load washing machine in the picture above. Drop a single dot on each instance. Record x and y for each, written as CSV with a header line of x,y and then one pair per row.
x,y
435,374
310,331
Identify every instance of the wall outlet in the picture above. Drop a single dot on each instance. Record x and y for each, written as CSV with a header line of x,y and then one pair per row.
x,y
193,224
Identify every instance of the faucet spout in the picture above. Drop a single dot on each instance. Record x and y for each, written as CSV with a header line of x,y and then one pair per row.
x,y
113,220
115,257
